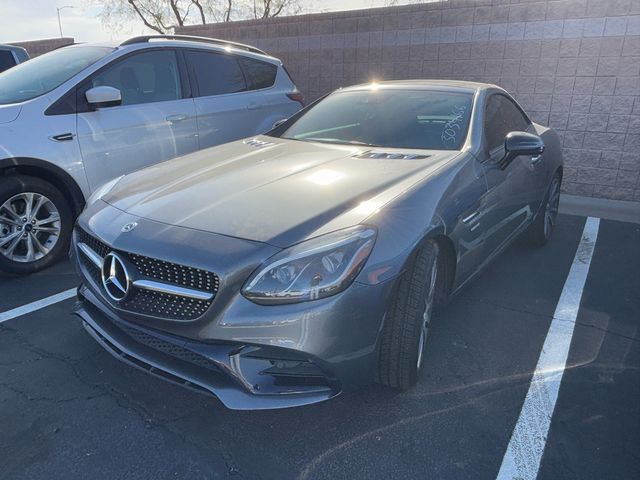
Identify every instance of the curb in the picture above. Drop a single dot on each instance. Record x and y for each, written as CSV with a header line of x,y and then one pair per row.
x,y
599,207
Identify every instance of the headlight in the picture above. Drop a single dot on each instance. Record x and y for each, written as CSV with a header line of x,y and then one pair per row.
x,y
314,269
103,190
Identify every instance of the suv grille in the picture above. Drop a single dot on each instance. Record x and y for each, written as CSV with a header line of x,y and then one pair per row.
x,y
148,302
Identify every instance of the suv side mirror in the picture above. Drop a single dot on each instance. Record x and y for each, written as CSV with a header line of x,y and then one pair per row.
x,y
103,96
520,143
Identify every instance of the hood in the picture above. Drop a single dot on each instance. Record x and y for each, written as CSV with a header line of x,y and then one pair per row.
x,y
269,189
8,113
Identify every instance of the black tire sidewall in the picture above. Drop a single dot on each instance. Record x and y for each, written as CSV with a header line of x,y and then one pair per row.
x,y
16,184
403,324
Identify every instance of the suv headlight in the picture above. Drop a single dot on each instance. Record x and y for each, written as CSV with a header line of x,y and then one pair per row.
x,y
103,190
317,268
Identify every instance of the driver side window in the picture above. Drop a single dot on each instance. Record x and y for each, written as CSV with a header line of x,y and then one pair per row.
x,y
501,117
144,78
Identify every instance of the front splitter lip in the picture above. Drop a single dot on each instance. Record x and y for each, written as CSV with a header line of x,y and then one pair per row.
x,y
144,358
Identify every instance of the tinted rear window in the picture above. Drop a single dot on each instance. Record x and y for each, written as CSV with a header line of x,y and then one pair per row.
x,y
216,74
6,60
259,74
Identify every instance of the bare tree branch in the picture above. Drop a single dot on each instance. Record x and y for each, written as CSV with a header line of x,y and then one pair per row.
x,y
176,12
198,5
227,17
164,16
143,18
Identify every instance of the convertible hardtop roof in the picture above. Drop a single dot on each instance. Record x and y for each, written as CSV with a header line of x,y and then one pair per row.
x,y
453,85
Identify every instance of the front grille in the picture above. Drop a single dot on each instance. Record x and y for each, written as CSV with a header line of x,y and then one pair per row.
x,y
147,302
176,274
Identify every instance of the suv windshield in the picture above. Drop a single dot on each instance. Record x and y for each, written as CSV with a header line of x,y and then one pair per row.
x,y
422,119
46,72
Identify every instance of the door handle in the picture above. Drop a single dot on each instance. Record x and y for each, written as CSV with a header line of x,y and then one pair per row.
x,y
178,117
254,106
63,137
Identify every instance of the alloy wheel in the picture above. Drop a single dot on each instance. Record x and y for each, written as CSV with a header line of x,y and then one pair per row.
x,y
30,226
551,208
426,317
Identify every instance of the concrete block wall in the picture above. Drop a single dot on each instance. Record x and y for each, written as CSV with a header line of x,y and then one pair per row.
x,y
572,64
38,47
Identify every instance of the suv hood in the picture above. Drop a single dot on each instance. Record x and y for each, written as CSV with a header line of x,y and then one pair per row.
x,y
269,189
8,113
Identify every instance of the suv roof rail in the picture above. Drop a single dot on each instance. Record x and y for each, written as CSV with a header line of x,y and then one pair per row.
x,y
192,38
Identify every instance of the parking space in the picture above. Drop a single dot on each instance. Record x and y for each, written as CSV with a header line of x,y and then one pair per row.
x,y
68,409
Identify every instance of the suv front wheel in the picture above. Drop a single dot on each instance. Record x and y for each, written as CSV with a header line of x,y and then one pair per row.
x,y
35,224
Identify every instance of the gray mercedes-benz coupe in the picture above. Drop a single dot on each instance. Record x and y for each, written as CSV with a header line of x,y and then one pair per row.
x,y
284,269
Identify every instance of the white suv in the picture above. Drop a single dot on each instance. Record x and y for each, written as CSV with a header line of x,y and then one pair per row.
x,y
74,118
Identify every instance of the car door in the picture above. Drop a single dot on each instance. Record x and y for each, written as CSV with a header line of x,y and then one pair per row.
x,y
225,110
509,199
155,121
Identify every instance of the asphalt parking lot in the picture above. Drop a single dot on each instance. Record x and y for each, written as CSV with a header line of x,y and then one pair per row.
x,y
70,410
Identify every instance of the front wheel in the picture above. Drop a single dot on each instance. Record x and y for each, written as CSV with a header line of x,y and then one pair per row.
x,y
539,232
406,326
35,224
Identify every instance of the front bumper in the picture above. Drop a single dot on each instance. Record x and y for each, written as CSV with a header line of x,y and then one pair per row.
x,y
243,376
234,373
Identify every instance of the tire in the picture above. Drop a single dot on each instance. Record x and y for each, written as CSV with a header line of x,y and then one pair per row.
x,y
32,241
539,232
403,337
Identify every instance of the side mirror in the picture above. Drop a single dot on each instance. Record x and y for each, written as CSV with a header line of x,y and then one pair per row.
x,y
520,143
279,122
103,96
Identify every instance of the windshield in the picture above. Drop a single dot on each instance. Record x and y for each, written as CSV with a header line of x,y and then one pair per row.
x,y
46,72
422,119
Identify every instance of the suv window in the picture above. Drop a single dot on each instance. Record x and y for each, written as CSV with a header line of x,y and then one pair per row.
x,y
144,78
259,74
6,60
216,74
502,116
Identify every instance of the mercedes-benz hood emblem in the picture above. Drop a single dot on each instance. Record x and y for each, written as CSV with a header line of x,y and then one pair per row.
x,y
115,277
129,226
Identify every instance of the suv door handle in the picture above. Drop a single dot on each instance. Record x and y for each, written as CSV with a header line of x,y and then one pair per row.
x,y
254,106
63,137
178,117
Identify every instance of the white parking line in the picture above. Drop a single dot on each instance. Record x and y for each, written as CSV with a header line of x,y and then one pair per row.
x,y
37,305
524,453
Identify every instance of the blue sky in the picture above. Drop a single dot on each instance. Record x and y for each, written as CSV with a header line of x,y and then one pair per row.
x,y
35,19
